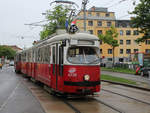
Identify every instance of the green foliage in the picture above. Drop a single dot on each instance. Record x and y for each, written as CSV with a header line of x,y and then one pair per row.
x,y
109,37
120,70
56,19
142,19
117,79
7,52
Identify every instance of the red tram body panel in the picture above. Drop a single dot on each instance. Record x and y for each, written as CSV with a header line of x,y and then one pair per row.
x,y
66,63
74,79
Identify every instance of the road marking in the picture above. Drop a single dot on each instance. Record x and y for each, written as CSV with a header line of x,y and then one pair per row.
x,y
10,96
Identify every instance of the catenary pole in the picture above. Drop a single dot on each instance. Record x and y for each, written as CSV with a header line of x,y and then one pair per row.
x,y
84,3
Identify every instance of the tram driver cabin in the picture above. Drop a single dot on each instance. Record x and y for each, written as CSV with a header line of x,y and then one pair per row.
x,y
66,63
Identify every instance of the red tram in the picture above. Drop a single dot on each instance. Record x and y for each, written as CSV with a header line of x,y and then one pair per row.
x,y
66,63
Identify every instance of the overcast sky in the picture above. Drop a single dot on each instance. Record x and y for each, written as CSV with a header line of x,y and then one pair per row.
x,y
15,13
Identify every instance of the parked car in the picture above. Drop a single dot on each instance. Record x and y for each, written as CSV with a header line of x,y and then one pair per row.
x,y
11,63
144,71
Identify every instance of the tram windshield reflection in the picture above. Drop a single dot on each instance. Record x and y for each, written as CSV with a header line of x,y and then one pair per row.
x,y
83,55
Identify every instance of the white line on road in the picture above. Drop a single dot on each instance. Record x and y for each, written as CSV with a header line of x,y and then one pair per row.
x,y
10,96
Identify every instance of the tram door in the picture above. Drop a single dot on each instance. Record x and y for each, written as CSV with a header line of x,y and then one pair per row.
x,y
55,68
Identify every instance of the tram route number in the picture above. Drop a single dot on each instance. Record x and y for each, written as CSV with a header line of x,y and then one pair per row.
x,y
72,72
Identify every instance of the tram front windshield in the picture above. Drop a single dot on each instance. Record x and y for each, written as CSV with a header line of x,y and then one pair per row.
x,y
83,55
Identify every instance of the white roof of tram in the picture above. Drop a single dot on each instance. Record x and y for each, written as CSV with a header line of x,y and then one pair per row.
x,y
65,36
76,36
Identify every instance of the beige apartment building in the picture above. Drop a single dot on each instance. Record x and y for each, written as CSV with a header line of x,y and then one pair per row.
x,y
99,20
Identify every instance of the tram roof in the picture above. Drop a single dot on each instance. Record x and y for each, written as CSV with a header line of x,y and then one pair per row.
x,y
76,36
65,36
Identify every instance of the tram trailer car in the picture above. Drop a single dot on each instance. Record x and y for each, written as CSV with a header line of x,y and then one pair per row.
x,y
66,63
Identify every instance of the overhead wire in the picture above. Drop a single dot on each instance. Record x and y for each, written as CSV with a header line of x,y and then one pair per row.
x,y
121,1
109,2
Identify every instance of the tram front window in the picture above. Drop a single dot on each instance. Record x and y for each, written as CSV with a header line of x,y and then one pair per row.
x,y
83,55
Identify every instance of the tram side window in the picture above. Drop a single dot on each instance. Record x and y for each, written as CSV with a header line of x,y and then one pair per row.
x,y
19,57
61,61
30,56
41,55
54,60
47,54
38,55
33,56
25,57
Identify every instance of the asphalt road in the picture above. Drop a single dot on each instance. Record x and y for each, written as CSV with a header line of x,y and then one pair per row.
x,y
15,97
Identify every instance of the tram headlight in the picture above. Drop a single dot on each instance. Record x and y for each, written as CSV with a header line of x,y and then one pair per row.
x,y
86,77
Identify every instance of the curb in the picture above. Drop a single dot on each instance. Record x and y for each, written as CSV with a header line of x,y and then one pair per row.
x,y
127,85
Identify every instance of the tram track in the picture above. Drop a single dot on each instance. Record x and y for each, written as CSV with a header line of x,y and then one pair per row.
x,y
127,85
131,90
126,96
76,109
71,106
109,105
38,86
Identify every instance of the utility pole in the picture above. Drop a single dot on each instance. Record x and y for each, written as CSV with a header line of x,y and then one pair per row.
x,y
84,3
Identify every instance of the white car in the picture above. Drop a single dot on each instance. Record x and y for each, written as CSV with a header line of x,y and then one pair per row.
x,y
11,63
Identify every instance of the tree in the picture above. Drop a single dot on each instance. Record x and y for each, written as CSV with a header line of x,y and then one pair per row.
x,y
56,18
109,38
142,19
7,52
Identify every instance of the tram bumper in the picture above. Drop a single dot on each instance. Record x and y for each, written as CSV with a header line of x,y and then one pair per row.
x,y
84,84
83,88
84,91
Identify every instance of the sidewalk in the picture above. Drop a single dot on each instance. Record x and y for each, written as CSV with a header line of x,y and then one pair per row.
x,y
141,81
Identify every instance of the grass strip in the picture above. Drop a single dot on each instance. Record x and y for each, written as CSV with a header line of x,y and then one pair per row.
x,y
117,79
120,70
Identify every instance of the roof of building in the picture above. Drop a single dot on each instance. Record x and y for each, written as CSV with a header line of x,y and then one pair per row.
x,y
14,47
99,9
94,18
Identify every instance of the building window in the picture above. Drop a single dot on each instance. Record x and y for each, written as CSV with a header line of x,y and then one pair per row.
x,y
120,59
135,32
99,32
128,42
121,51
99,23
107,14
108,24
91,31
124,25
121,42
109,59
128,51
147,50
128,32
147,42
90,23
121,32
136,50
89,14
101,51
97,14
109,51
